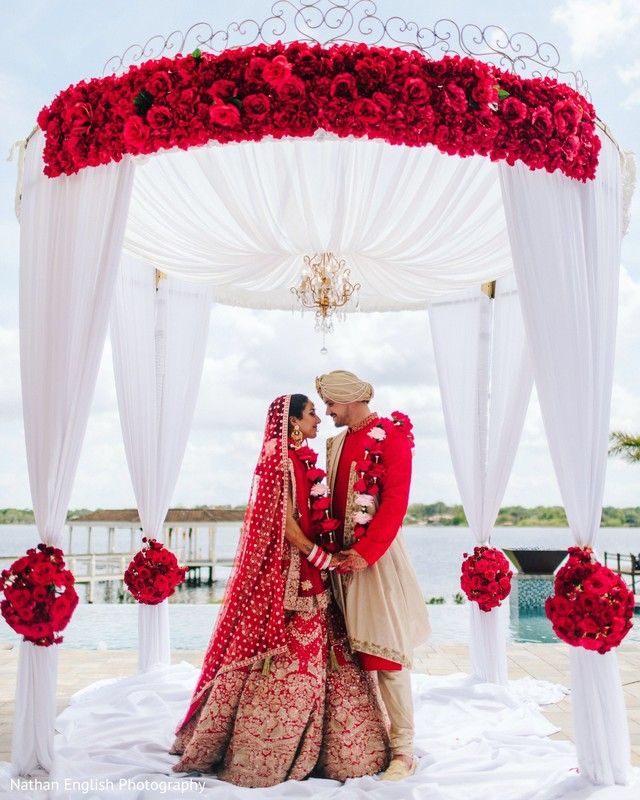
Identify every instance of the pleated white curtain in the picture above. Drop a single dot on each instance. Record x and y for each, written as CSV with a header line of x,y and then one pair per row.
x,y
565,238
485,378
159,335
70,243
410,222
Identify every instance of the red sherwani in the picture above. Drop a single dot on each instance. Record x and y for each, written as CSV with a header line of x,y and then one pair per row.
x,y
393,501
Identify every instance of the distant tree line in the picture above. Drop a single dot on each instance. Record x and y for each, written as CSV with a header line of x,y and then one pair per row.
x,y
518,516
424,514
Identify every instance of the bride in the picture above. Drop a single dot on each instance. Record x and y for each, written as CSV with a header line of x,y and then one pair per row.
x,y
280,696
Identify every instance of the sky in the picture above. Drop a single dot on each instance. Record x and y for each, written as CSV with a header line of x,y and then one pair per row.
x,y
253,356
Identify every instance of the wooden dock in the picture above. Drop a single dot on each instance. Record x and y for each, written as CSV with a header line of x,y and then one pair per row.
x,y
183,532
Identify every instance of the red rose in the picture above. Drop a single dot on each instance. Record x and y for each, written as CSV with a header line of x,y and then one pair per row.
x,y
384,101
330,524
344,85
256,107
78,117
159,117
44,572
513,110
315,474
43,118
416,91
373,70
255,70
222,89
159,84
485,91
455,97
276,71
571,147
566,115
542,121
291,90
135,133
225,115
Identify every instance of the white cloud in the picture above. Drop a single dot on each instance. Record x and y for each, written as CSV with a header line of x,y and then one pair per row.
x,y
630,76
595,26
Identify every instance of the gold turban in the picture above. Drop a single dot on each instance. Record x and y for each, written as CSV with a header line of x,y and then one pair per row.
x,y
340,386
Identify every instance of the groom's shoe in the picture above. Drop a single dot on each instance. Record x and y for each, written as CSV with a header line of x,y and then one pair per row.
x,y
398,769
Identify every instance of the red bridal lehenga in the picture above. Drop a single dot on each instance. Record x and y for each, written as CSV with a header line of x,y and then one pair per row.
x,y
280,696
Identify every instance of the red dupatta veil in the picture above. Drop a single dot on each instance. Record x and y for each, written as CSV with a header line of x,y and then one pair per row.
x,y
251,623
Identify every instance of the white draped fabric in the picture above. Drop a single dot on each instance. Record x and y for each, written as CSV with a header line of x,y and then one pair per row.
x,y
565,237
475,741
159,334
485,378
35,713
70,243
409,221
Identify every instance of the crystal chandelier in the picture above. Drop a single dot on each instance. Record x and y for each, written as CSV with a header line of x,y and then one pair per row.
x,y
325,286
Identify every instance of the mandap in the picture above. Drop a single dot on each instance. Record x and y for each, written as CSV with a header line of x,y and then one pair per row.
x,y
432,160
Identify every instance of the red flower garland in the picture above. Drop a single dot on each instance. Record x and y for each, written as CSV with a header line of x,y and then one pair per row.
x,y
39,595
153,573
486,577
324,525
592,606
371,470
460,105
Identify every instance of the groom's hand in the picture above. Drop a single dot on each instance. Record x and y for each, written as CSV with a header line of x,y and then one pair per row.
x,y
353,562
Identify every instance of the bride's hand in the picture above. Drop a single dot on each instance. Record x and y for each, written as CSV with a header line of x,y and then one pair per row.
x,y
336,560
352,561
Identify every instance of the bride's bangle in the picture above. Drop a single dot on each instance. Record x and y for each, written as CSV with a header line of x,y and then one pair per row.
x,y
319,558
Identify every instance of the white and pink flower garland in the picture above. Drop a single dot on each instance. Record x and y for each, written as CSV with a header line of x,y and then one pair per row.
x,y
371,470
324,525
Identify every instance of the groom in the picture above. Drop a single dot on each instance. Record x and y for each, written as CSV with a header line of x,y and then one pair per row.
x,y
375,566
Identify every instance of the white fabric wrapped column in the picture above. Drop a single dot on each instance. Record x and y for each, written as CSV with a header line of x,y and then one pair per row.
x,y
485,380
70,243
159,336
565,238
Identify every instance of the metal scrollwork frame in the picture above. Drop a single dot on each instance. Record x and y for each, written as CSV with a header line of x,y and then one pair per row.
x,y
328,22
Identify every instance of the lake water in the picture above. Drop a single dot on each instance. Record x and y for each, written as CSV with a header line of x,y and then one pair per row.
x,y
436,554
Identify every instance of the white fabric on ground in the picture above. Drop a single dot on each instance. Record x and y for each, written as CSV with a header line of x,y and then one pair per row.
x,y
485,378
159,336
477,741
70,245
565,237
409,221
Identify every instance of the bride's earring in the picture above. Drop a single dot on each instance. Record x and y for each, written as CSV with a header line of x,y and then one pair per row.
x,y
297,435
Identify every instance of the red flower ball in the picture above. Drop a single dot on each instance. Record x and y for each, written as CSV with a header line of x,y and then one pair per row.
x,y
39,595
592,607
153,573
486,577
